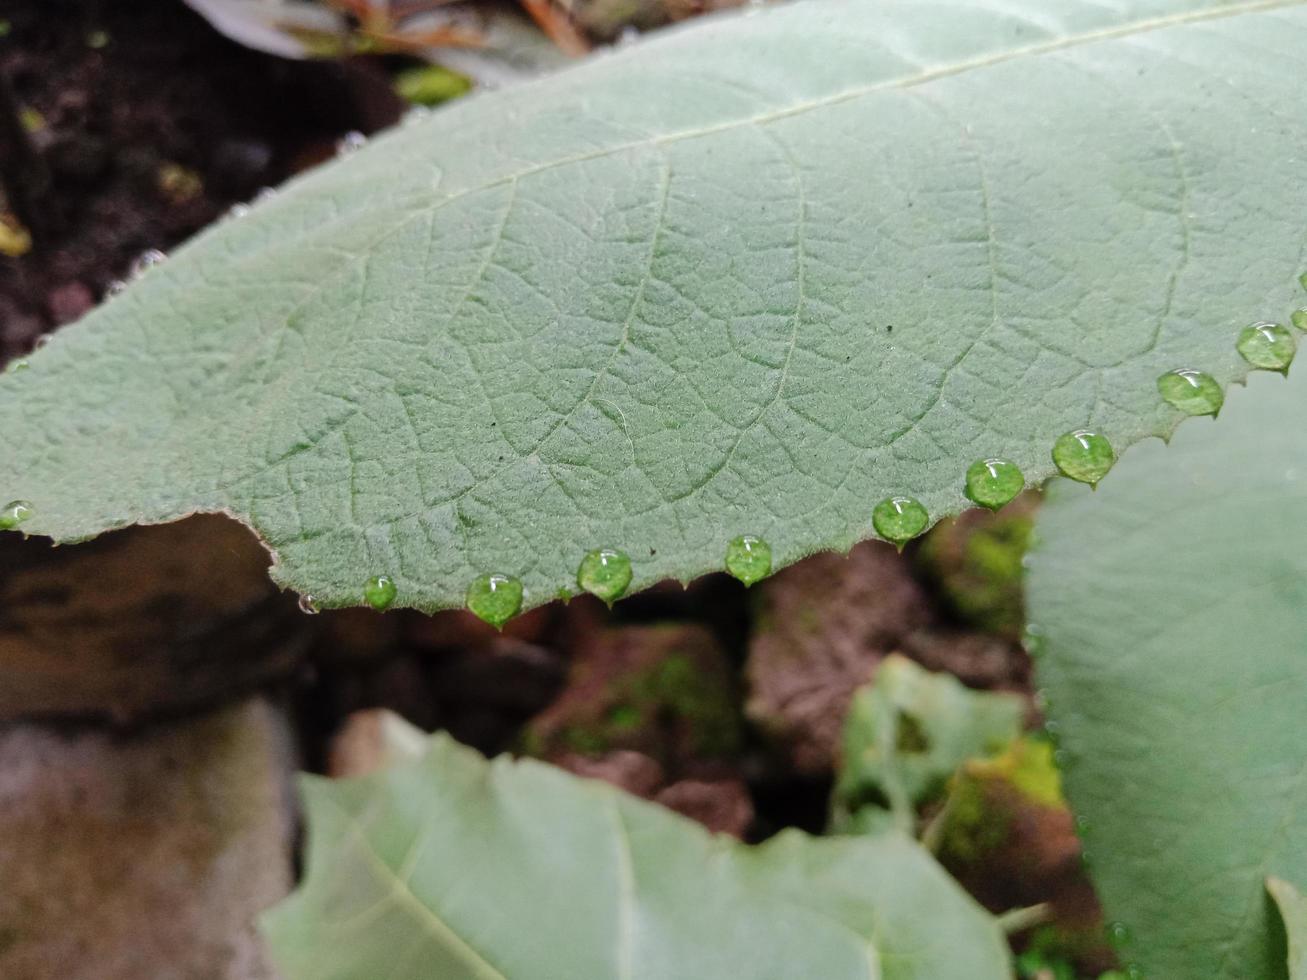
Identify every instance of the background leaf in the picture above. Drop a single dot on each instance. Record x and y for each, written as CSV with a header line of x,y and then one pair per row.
x,y
907,732
748,278
461,868
1173,610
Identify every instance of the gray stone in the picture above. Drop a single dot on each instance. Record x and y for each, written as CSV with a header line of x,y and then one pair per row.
x,y
144,857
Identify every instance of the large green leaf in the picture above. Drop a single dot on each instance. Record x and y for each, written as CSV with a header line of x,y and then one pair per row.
x,y
748,278
454,867
1173,605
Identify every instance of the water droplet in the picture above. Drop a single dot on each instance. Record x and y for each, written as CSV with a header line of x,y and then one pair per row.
x,y
993,482
19,365
1083,455
1192,392
1082,823
264,195
1134,972
145,261
308,605
748,559
416,115
115,287
899,519
14,513
1299,319
380,592
238,210
1118,934
1268,346
1303,280
351,141
604,573
495,599
44,341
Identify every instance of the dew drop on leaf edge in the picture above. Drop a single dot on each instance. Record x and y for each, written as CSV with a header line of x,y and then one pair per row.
x,y
1268,346
14,513
350,142
144,262
994,482
1083,455
1192,392
308,605
380,592
1299,318
899,519
604,573
748,558
494,598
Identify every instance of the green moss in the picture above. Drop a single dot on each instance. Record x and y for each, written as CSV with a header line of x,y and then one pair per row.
x,y
700,700
977,564
587,741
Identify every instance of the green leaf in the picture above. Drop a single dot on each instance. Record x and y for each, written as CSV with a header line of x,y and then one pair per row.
x,y
1293,912
907,732
461,868
749,278
1172,609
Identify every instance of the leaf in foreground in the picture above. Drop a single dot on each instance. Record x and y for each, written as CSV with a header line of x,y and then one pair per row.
x,y
455,867
753,277
1173,611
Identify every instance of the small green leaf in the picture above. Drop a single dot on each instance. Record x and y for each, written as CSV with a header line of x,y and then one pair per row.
x,y
455,867
908,731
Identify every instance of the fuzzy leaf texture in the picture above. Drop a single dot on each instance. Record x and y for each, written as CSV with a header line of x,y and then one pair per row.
x,y
748,278
459,868
1172,606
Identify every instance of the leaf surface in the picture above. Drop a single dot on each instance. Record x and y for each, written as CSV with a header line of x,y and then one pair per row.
x,y
461,868
749,278
1172,608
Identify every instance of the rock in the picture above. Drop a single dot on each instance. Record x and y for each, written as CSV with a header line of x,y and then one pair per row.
x,y
69,301
373,740
141,622
634,772
150,856
723,806
821,627
667,691
981,660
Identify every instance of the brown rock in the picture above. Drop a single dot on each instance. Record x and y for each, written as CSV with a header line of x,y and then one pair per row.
x,y
723,806
68,302
638,774
373,740
140,622
822,627
144,857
